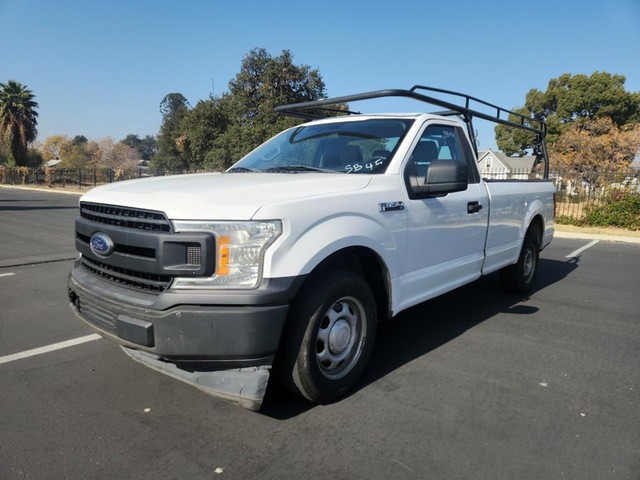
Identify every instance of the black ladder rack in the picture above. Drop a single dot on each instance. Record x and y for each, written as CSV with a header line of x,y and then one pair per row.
x,y
314,110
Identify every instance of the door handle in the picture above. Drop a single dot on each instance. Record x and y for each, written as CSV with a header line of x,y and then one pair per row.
x,y
473,207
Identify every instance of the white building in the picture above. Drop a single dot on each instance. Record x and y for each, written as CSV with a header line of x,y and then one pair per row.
x,y
497,165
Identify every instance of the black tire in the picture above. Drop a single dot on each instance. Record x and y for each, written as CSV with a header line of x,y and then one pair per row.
x,y
519,278
329,337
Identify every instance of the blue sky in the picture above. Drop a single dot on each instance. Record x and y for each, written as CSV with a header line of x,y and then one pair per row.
x,y
101,68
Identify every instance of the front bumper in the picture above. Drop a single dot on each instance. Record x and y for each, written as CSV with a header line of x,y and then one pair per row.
x,y
193,331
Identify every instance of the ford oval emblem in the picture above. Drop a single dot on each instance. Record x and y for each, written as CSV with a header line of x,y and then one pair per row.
x,y
101,244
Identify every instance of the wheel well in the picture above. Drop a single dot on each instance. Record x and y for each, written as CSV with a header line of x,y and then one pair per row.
x,y
369,265
537,226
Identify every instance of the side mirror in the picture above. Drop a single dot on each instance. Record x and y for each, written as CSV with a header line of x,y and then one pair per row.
x,y
443,177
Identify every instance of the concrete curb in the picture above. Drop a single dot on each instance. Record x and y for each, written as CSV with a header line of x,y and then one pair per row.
x,y
596,236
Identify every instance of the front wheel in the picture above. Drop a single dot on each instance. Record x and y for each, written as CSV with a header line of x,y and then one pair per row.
x,y
518,278
329,337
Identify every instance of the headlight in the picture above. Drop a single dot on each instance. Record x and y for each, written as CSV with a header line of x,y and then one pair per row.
x,y
240,247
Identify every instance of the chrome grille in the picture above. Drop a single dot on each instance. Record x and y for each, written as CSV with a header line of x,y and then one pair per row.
x,y
125,217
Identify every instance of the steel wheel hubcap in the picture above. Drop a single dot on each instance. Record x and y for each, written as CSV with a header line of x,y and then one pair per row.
x,y
341,338
529,262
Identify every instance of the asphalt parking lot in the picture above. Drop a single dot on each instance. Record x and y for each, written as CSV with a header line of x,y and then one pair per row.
x,y
476,384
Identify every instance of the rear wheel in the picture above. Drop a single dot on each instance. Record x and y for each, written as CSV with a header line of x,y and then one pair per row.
x,y
519,278
329,337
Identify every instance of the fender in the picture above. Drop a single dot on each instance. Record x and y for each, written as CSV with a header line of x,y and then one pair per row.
x,y
535,208
300,254
545,210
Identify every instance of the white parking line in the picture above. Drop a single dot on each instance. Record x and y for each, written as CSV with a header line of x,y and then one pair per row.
x,y
577,252
49,348
6,274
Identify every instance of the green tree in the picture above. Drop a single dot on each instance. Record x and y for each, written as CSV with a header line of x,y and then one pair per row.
x,y
34,158
200,128
567,99
220,130
146,147
172,104
581,96
18,121
173,108
263,82
514,141
80,154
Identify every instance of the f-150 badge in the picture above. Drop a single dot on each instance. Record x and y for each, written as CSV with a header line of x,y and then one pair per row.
x,y
389,206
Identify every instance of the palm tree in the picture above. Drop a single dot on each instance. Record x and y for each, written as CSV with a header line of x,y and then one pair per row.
x,y
18,120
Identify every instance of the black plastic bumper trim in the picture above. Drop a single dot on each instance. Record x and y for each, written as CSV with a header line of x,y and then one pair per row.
x,y
225,336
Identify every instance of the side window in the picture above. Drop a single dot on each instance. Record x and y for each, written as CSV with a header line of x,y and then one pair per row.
x,y
438,142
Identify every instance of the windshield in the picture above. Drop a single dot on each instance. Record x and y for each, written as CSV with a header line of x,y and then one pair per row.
x,y
346,147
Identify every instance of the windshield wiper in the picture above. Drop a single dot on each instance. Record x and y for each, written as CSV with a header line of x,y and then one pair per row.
x,y
296,169
241,170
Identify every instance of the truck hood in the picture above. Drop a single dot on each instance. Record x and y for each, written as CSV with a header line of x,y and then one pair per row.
x,y
215,196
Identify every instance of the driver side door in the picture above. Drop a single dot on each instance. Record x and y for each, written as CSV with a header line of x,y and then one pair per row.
x,y
446,234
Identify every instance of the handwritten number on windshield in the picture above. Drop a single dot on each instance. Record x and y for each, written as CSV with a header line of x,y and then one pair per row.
x,y
356,167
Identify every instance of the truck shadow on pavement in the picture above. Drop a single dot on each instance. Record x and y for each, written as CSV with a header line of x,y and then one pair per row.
x,y
425,327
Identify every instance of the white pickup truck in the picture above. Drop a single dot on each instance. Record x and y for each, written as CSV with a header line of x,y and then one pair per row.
x,y
292,256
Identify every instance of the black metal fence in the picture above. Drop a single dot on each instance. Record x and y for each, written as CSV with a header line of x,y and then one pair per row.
x,y
78,179
579,189
576,189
